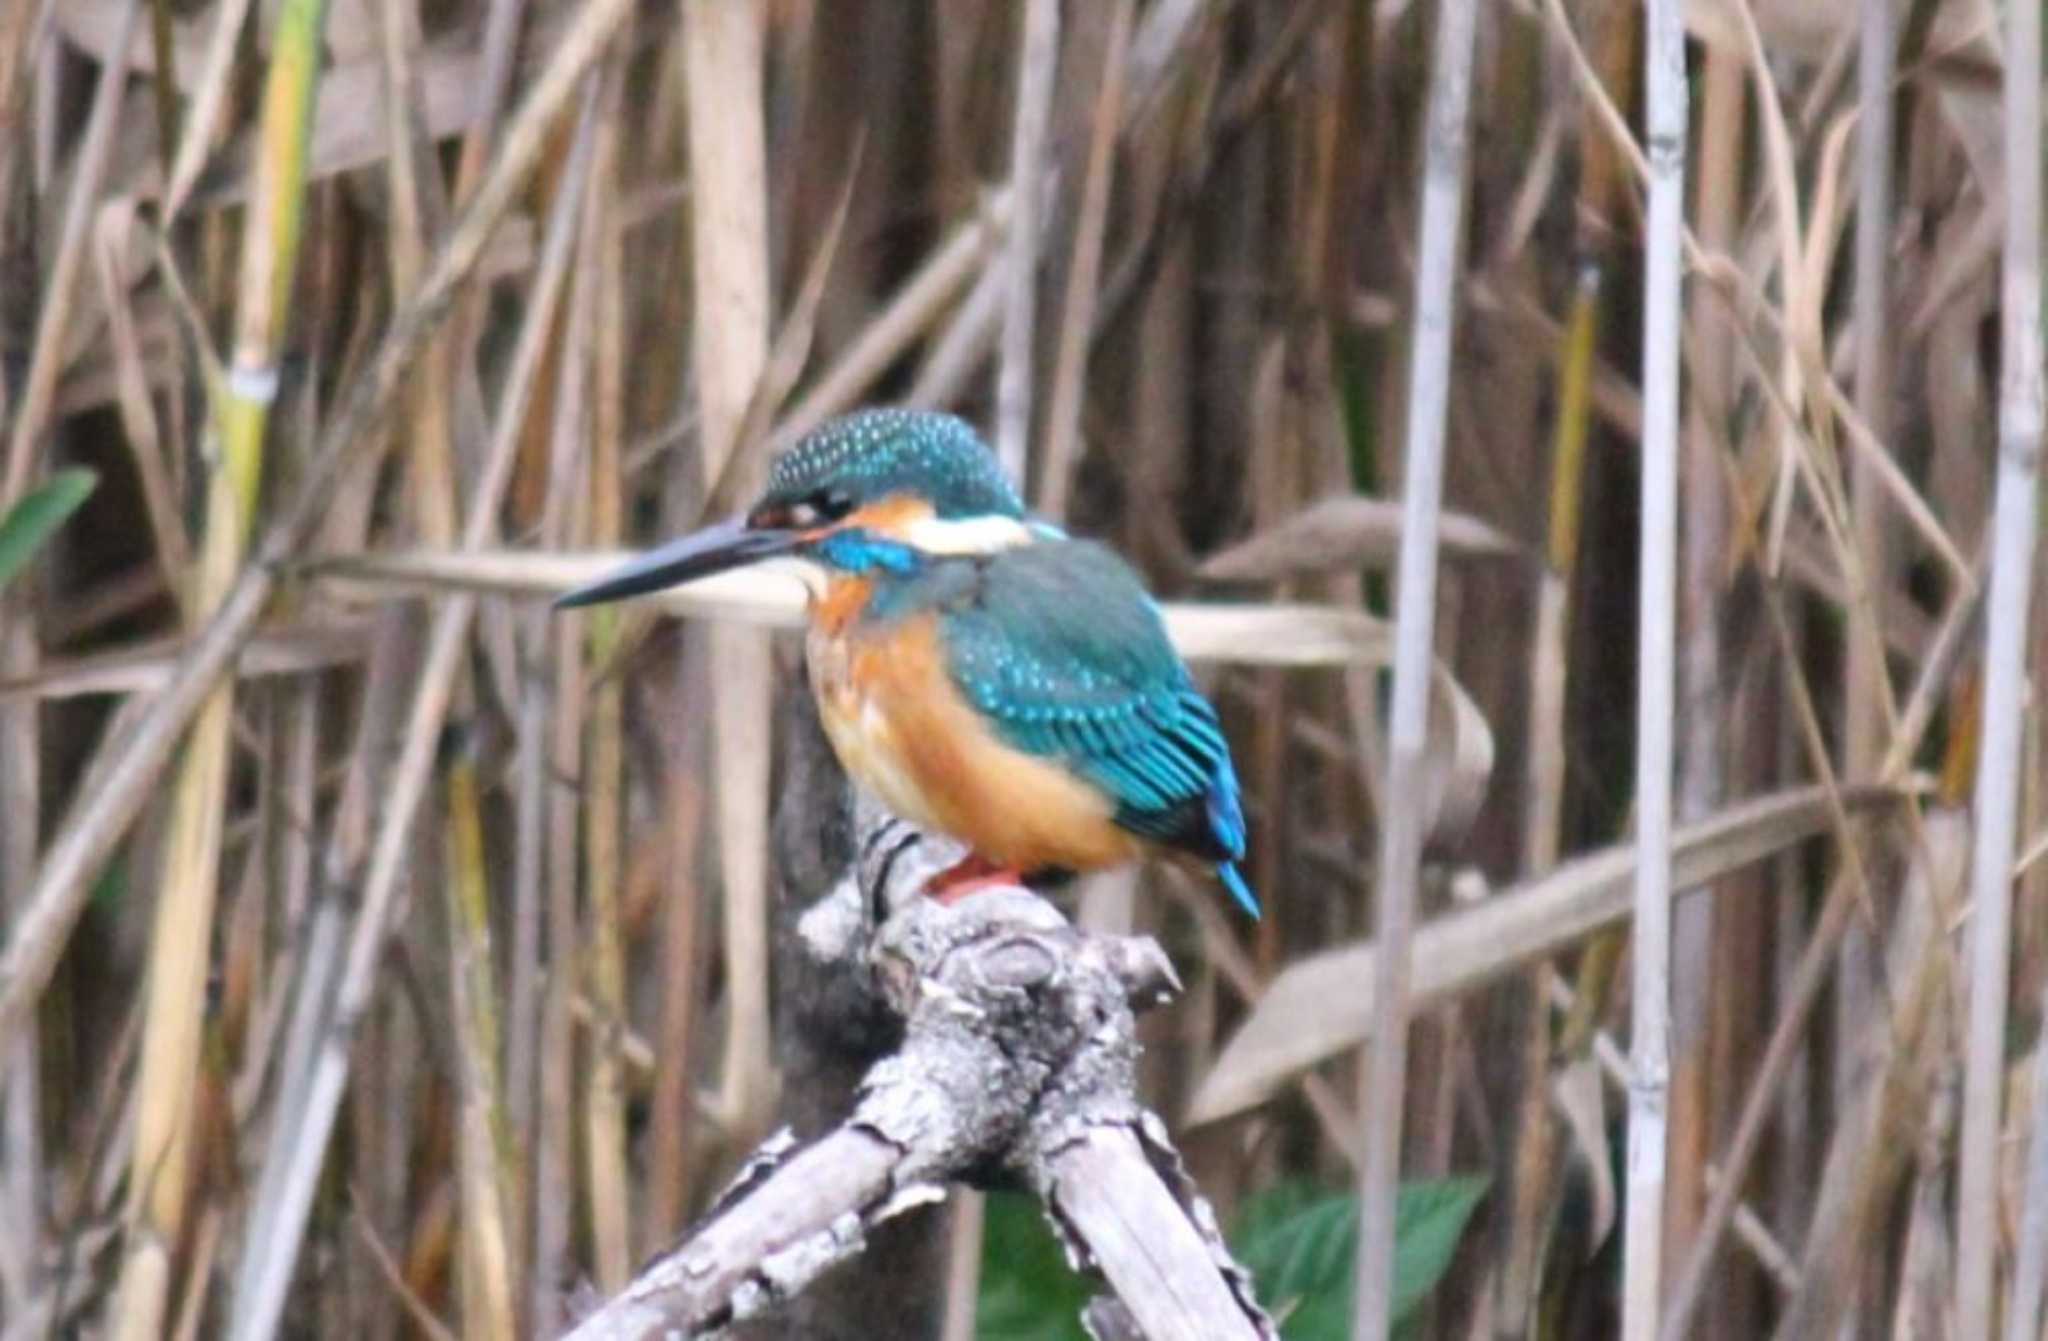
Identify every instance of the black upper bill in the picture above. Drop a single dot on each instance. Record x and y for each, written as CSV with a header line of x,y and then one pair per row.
x,y
715,549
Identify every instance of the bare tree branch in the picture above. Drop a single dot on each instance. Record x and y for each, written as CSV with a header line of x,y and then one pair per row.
x,y
1016,1065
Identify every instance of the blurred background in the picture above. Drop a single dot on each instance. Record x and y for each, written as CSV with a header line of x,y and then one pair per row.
x,y
399,960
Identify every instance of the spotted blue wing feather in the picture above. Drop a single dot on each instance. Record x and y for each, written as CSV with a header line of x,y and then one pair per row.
x,y
1060,647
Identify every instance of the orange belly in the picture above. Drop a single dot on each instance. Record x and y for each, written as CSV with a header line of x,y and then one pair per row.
x,y
901,728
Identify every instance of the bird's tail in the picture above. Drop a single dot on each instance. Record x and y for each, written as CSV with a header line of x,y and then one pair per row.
x,y
1233,880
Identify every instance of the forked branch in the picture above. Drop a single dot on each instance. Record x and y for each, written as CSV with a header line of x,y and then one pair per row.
x,y
1016,1066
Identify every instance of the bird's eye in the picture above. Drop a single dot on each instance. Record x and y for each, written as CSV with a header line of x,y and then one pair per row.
x,y
829,504
814,509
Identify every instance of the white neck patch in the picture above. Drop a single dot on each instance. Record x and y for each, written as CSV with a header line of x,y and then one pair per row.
x,y
968,535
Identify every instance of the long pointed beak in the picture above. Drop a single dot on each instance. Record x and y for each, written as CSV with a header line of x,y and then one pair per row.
x,y
715,549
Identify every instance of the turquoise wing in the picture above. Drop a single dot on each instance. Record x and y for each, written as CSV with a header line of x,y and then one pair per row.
x,y
1061,649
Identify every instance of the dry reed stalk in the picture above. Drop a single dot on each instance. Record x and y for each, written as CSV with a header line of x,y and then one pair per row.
x,y
529,787
722,52
1077,306
1381,1096
1700,998
120,775
181,942
963,1265
1038,60
962,344
1768,1250
1228,145
1863,670
1665,115
918,305
2030,1254
116,231
1698,925
1866,695
672,1146
32,404
1874,1139
297,1154
23,1180
1729,281
212,86
555,1071
20,25
1996,798
558,425
427,433
1536,1147
599,289
1275,490
1810,973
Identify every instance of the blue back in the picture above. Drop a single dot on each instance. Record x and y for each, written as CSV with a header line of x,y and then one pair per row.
x,y
1060,647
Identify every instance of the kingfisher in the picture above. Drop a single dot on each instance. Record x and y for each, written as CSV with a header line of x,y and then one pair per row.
x,y
983,674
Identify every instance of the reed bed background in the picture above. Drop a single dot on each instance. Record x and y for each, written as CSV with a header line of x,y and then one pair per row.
x,y
385,956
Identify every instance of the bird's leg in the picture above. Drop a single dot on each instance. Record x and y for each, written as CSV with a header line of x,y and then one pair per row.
x,y
969,875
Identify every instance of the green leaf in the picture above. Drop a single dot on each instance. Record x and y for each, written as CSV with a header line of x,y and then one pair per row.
x,y
1299,1245
1028,1292
1297,1241
38,515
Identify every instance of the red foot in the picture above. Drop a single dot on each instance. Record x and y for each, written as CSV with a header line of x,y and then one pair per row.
x,y
971,874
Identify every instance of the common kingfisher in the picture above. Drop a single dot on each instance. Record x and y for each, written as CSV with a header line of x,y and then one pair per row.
x,y
986,676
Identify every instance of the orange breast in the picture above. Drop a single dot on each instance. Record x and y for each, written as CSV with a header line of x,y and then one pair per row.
x,y
900,726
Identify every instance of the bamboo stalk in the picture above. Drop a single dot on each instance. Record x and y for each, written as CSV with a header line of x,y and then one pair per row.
x,y
182,939
1650,1002
2014,525
1381,1098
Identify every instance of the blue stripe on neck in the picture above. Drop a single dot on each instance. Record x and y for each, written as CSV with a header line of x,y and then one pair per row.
x,y
860,551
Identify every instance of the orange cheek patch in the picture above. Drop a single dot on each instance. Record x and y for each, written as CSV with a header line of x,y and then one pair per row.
x,y
891,516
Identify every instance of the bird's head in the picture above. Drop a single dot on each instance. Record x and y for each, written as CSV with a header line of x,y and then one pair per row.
x,y
875,489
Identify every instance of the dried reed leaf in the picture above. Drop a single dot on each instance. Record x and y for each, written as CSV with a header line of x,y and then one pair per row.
x,y
1323,1004
145,668
138,413
94,27
773,595
1580,1099
1457,765
1344,532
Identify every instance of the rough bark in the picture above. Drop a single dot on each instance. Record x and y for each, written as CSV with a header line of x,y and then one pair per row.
x,y
985,1042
